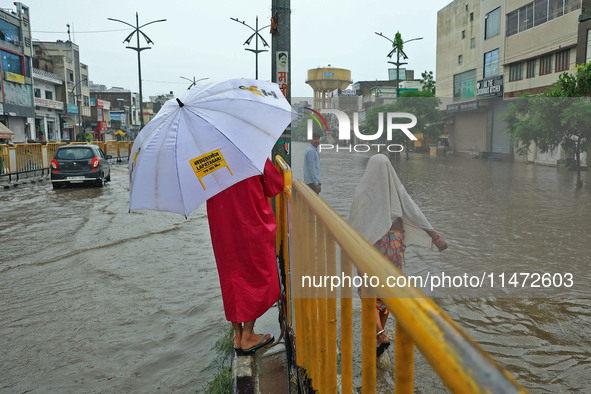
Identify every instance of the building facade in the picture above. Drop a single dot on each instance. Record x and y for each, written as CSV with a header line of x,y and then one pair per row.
x,y
491,51
17,110
48,110
124,104
64,57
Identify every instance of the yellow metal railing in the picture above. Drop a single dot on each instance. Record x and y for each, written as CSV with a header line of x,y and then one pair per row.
x,y
322,244
29,157
52,147
4,159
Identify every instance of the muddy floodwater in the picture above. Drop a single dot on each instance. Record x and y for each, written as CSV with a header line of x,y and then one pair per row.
x,y
96,299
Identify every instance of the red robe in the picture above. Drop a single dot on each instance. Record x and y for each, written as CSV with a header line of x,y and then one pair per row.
x,y
242,226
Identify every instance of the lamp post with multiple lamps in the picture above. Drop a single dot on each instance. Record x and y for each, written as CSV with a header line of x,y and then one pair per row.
x,y
138,49
398,44
256,35
193,81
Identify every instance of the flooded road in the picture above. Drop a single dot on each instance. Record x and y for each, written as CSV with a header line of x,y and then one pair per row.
x,y
96,299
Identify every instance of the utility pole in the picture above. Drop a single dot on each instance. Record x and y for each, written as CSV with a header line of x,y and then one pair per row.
x,y
138,49
281,66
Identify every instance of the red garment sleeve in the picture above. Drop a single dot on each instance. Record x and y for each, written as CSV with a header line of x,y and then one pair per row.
x,y
272,180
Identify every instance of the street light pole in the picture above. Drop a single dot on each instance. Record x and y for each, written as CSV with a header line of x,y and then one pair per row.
x,y
138,49
256,37
193,82
397,43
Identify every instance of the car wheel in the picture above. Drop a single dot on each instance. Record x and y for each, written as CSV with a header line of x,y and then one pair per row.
x,y
55,185
108,178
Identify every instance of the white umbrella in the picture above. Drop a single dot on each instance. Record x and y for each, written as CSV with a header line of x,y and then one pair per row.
x,y
216,135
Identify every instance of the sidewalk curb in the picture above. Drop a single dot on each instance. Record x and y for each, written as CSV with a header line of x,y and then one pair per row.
x,y
24,182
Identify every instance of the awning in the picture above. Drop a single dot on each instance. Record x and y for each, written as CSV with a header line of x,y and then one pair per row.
x,y
5,132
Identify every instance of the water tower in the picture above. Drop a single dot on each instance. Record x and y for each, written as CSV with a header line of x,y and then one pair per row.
x,y
326,79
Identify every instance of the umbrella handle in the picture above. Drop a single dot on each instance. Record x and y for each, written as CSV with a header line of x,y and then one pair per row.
x,y
181,104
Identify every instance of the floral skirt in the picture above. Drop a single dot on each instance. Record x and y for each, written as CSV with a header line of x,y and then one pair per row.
x,y
391,245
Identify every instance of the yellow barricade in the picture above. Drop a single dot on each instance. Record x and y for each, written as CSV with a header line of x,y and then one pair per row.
x,y
52,147
4,159
28,157
321,243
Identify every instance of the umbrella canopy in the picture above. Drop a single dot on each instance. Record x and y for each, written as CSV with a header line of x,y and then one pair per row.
x,y
213,137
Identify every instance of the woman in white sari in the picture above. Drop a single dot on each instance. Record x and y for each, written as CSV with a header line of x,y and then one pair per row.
x,y
384,213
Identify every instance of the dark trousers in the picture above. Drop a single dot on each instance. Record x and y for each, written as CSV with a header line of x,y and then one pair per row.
x,y
311,185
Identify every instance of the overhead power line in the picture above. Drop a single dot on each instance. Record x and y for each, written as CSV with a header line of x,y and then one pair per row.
x,y
80,32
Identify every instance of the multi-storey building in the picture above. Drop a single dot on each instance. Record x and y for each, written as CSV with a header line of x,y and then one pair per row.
x,y
17,110
491,51
65,59
125,112
48,110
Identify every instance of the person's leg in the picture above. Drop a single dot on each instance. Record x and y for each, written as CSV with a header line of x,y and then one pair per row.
x,y
237,334
249,338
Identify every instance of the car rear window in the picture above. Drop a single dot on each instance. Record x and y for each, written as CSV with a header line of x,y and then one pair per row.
x,y
74,153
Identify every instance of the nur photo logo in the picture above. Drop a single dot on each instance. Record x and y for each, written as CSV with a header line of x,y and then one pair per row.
x,y
344,130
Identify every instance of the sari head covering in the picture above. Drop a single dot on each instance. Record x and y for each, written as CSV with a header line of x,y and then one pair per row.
x,y
380,198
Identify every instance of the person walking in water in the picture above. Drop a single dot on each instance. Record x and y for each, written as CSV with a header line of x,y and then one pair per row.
x,y
386,216
242,225
312,175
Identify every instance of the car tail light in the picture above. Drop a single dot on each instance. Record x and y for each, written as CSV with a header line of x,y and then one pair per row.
x,y
54,165
95,162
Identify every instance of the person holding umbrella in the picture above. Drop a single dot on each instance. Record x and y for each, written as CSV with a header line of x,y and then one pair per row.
x,y
213,145
242,225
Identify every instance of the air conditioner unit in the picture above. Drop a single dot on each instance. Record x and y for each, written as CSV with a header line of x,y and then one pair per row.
x,y
17,43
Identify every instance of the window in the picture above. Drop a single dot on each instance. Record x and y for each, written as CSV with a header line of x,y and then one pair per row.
x,y
11,62
37,92
471,16
492,23
545,64
531,68
512,23
86,101
526,17
70,75
9,32
540,12
473,43
562,58
516,72
555,8
49,94
465,85
71,98
460,59
491,63
463,34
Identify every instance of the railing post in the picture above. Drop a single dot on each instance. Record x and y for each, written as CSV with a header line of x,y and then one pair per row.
x,y
368,342
346,328
403,361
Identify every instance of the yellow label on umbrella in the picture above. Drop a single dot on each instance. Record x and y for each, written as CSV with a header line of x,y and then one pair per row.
x,y
208,163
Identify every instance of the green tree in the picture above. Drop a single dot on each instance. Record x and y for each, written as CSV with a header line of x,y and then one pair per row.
x,y
559,117
428,82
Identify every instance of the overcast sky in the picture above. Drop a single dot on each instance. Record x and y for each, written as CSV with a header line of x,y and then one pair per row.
x,y
199,40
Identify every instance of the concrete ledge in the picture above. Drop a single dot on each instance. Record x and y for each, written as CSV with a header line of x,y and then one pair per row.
x,y
243,374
